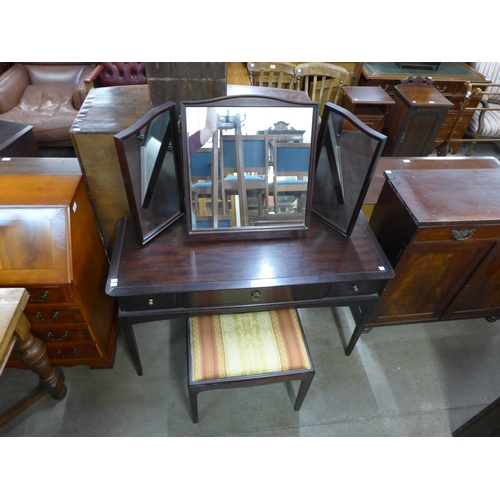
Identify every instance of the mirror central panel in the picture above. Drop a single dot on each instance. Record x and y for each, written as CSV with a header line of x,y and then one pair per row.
x,y
248,163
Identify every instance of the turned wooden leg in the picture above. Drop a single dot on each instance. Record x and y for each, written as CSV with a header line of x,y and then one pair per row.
x,y
32,353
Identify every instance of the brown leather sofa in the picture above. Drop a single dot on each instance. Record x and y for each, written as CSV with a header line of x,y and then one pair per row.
x,y
46,96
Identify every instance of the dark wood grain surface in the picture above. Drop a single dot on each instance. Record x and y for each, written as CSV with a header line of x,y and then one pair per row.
x,y
423,163
437,196
176,262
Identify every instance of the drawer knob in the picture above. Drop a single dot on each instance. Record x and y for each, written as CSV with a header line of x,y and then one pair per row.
x,y
39,315
43,296
64,336
151,302
355,288
464,234
256,296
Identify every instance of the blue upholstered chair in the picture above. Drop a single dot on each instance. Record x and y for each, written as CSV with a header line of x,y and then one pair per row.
x,y
247,349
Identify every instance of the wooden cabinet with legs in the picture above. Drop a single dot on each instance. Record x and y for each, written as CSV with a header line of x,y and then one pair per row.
x,y
50,245
414,121
440,230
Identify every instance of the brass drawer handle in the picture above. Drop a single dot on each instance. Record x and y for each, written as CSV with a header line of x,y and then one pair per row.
x,y
464,234
44,296
70,355
64,336
39,315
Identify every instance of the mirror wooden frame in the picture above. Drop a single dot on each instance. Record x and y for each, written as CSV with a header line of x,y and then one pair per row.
x,y
150,219
247,101
331,191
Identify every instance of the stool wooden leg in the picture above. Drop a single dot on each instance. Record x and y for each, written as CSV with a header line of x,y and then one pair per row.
x,y
304,387
32,353
193,401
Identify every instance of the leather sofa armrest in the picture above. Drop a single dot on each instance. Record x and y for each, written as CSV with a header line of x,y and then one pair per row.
x,y
12,85
83,87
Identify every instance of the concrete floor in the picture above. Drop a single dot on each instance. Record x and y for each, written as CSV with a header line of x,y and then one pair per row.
x,y
417,380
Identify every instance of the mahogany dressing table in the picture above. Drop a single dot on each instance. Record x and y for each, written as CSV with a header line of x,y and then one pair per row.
x,y
177,275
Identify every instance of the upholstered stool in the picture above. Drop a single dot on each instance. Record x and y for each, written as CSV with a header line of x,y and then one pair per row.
x,y
248,349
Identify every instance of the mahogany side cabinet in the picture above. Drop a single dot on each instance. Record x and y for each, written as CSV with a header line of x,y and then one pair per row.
x,y
50,245
413,122
440,230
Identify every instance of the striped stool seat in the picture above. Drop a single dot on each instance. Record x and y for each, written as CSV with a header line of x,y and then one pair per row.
x,y
238,350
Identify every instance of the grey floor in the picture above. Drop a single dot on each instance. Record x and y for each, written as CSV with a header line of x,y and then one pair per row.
x,y
417,380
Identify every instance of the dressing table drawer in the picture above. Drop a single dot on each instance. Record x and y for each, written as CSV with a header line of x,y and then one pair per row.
x,y
353,288
249,296
145,302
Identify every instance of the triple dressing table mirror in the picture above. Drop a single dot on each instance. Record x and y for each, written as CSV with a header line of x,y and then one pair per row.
x,y
253,155
150,164
348,152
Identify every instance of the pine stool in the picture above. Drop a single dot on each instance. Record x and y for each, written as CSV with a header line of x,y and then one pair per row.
x,y
247,349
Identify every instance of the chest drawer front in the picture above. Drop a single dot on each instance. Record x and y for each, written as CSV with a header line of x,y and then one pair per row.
x,y
51,315
249,296
458,233
65,335
76,352
49,295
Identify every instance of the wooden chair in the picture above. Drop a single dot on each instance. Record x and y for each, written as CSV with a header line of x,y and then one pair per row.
x,y
291,170
31,352
248,349
321,81
270,74
255,166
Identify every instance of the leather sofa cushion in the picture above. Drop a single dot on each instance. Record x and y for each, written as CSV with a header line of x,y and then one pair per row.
x,y
48,108
43,74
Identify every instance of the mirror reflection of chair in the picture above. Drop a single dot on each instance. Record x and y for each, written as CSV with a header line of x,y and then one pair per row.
x,y
271,74
291,168
200,164
248,349
321,81
253,162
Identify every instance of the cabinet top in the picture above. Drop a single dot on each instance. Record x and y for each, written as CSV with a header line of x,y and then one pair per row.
x,y
449,196
422,95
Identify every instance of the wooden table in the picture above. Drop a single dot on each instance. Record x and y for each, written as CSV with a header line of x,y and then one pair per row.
x,y
15,334
17,139
179,275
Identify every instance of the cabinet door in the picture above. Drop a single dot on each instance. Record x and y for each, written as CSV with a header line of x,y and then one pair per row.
x,y
481,293
428,276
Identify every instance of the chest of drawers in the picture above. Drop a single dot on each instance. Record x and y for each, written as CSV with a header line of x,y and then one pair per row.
x,y
50,245
440,229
